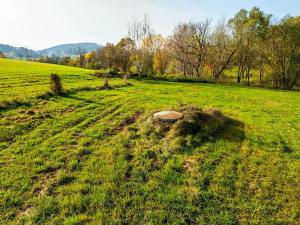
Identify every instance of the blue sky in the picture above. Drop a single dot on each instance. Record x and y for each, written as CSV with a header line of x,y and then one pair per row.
x,y
39,24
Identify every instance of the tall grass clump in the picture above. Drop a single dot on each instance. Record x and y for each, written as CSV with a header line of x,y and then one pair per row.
x,y
56,84
105,83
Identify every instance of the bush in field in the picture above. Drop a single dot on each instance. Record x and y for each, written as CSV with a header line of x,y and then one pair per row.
x,y
105,83
56,84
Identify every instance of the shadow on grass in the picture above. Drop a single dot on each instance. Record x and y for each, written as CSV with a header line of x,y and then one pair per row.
x,y
14,104
71,96
7,105
232,131
48,95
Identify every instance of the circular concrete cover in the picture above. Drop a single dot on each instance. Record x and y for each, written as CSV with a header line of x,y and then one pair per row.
x,y
168,116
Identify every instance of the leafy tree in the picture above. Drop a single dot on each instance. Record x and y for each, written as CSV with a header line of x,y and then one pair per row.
x,y
124,50
284,55
141,33
107,56
80,55
248,28
161,60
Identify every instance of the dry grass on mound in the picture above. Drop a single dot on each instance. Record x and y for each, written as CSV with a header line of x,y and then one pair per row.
x,y
199,124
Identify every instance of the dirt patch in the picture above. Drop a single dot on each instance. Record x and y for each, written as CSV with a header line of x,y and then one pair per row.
x,y
45,183
189,165
27,211
131,119
30,112
126,122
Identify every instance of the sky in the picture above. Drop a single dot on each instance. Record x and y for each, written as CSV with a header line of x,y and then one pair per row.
x,y
39,24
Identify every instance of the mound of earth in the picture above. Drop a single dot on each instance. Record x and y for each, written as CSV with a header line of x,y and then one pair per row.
x,y
191,121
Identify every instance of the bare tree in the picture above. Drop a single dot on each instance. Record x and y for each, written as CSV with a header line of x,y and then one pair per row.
x,y
80,52
179,47
138,31
190,46
198,45
221,49
141,32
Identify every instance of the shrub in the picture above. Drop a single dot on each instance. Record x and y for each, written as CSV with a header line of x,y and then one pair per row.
x,y
105,83
56,84
113,73
99,74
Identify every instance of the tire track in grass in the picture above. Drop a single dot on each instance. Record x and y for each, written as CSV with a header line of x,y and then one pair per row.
x,y
67,120
107,116
50,179
85,125
106,130
38,118
37,121
126,121
82,125
91,172
218,179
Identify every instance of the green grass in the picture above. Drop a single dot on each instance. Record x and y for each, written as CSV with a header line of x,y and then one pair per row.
x,y
77,160
20,80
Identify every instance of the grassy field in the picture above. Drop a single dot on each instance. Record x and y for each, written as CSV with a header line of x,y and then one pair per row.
x,y
89,158
21,80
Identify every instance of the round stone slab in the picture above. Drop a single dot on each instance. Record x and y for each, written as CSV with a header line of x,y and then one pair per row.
x,y
168,116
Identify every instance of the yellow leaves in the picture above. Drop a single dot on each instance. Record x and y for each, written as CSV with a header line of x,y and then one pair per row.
x,y
157,61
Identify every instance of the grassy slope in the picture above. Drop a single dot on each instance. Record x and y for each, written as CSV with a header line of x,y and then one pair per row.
x,y
75,160
20,80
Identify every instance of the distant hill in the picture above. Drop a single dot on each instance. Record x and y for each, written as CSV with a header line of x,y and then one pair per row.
x,y
17,52
60,50
69,49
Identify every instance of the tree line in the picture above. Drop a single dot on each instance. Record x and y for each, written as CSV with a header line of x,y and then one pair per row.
x,y
251,48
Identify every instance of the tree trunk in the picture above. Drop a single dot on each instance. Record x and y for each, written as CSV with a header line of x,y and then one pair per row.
x,y
261,74
125,79
248,75
239,75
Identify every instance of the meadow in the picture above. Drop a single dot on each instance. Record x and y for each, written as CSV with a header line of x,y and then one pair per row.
x,y
88,157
